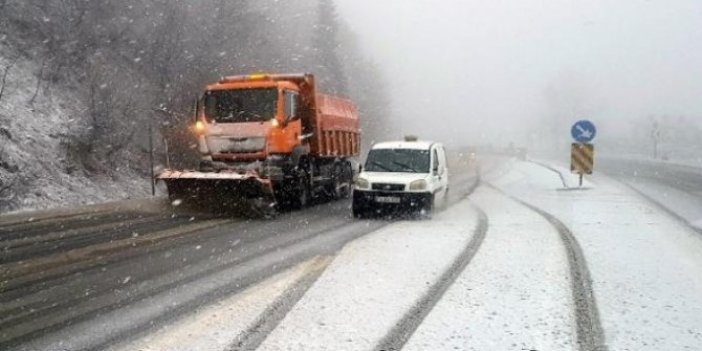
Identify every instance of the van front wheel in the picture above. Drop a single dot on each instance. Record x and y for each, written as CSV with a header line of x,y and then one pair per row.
x,y
357,210
428,208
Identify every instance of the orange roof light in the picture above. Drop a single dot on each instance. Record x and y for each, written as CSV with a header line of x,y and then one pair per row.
x,y
264,76
258,76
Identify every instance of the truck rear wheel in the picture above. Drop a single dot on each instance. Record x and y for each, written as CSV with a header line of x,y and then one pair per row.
x,y
300,197
341,181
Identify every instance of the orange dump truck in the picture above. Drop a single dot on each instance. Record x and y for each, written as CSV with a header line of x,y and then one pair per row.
x,y
267,140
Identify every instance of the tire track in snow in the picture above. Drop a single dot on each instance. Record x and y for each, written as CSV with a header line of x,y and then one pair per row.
x,y
274,314
398,336
79,309
590,335
20,278
58,241
29,229
254,336
82,309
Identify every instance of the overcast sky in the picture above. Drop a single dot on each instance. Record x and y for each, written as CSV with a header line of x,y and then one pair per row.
x,y
482,68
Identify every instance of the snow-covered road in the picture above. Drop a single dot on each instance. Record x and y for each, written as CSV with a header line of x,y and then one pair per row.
x,y
646,265
640,268
373,281
515,294
526,262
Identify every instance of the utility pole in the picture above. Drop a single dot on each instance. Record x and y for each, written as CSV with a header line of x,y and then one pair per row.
x,y
168,158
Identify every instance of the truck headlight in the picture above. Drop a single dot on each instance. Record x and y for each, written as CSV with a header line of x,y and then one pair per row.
x,y
362,184
420,184
200,127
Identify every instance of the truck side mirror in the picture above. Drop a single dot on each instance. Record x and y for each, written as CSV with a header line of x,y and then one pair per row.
x,y
292,104
196,109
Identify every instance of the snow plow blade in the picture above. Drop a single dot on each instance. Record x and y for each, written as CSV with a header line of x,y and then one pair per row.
x,y
219,191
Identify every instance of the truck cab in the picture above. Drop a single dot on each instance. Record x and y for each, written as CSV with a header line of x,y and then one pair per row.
x,y
403,177
242,120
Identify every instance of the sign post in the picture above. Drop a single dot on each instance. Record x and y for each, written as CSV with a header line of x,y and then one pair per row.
x,y
582,159
582,151
151,159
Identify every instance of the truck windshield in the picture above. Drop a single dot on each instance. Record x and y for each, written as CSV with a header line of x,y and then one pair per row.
x,y
241,105
398,160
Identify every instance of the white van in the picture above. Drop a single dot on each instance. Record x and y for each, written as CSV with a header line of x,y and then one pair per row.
x,y
402,176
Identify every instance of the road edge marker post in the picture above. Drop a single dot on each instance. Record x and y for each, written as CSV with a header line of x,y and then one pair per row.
x,y
582,159
582,151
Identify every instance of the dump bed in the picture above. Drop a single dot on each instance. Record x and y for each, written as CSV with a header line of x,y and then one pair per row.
x,y
337,128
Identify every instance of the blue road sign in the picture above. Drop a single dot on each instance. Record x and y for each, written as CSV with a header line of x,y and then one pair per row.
x,y
583,131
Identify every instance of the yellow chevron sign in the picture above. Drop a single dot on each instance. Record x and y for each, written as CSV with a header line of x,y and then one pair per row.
x,y
582,158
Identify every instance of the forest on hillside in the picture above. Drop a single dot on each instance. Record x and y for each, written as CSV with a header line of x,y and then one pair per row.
x,y
134,63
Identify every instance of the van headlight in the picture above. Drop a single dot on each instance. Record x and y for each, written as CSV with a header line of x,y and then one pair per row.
x,y
362,183
420,184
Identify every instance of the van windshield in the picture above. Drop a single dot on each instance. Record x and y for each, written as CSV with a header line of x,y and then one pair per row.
x,y
398,160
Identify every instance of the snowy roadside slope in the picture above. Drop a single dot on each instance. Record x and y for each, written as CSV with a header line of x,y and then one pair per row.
x,y
567,178
676,187
373,282
686,205
31,155
514,295
646,266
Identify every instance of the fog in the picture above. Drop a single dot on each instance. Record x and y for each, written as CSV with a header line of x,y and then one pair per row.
x,y
523,71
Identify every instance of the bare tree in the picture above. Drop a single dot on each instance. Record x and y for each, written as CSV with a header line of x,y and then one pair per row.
x,y
326,49
128,56
5,73
40,78
7,193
